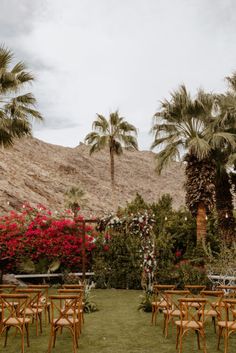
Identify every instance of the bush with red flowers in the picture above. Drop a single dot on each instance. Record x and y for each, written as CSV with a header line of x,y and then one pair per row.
x,y
40,236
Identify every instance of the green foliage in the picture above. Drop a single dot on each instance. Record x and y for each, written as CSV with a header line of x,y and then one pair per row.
x,y
222,262
89,305
146,302
119,266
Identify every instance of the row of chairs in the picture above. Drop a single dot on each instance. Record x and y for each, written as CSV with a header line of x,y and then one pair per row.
x,y
190,308
21,306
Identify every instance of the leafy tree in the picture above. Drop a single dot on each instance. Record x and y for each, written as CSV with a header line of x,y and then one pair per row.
x,y
191,125
115,134
15,110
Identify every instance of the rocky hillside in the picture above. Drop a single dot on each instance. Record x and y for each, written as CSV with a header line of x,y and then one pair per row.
x,y
39,172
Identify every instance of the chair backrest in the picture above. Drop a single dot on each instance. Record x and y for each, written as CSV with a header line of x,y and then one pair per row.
x,y
64,307
172,297
73,286
77,292
43,288
13,306
229,291
159,289
229,317
189,313
34,296
214,301
8,288
195,289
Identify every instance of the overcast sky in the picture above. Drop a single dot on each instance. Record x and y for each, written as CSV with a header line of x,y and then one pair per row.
x,y
96,56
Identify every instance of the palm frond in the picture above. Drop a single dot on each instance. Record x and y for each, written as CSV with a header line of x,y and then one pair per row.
x,y
5,57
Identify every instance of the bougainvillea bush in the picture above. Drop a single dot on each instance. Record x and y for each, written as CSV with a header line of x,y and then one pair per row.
x,y
41,236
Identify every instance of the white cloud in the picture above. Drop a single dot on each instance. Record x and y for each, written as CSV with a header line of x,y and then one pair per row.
x,y
96,56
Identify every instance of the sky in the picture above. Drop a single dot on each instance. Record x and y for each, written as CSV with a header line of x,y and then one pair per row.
x,y
97,56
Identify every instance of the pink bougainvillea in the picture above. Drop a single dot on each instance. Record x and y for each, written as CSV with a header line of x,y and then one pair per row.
x,y
37,233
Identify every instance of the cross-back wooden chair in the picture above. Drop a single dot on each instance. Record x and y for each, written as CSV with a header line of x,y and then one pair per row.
x,y
227,322
8,288
194,289
159,301
229,291
43,301
213,305
172,310
73,286
15,316
64,315
33,310
190,321
79,310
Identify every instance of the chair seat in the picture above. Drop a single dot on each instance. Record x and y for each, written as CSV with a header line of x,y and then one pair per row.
x,y
64,322
32,311
230,324
210,312
189,324
162,303
15,322
175,312
194,305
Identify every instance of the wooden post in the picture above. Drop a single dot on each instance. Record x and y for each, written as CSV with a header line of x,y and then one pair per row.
x,y
83,252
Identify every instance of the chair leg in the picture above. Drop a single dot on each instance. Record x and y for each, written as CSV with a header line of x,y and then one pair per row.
x,y
6,336
198,339
74,341
40,322
50,340
181,341
177,337
49,317
219,337
226,341
204,341
27,334
214,323
22,339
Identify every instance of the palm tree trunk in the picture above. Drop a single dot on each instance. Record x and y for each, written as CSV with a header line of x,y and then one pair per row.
x,y
112,165
201,222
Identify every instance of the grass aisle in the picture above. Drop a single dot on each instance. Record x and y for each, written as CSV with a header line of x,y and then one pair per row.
x,y
118,327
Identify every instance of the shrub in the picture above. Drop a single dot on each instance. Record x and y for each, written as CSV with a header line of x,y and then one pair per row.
x,y
38,235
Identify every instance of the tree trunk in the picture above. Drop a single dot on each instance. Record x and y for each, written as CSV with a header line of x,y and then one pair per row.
x,y
112,170
201,222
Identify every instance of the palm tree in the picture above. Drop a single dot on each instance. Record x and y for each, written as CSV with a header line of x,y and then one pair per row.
x,y
15,109
75,198
226,164
115,134
186,124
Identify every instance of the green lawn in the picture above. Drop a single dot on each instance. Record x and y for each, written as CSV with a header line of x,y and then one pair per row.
x,y
117,327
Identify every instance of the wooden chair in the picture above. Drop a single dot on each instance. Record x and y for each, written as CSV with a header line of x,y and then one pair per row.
x,y
172,310
33,310
213,305
43,301
190,321
159,301
228,323
8,288
13,316
64,315
194,289
73,286
79,310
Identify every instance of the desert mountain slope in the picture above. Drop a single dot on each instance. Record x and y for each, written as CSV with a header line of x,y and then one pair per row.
x,y
39,172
